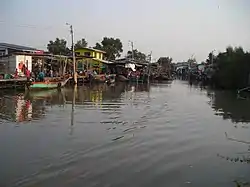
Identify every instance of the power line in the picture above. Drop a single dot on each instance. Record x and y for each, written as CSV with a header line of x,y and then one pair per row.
x,y
48,28
33,26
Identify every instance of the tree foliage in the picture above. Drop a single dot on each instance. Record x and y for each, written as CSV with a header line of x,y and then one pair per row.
x,y
191,61
81,44
165,63
58,47
137,55
112,47
232,68
210,58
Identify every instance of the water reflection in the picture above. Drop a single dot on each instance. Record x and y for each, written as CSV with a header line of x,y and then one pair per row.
x,y
229,106
73,109
18,108
22,106
27,106
94,93
243,157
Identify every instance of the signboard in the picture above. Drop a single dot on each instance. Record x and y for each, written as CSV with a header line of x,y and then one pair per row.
x,y
40,52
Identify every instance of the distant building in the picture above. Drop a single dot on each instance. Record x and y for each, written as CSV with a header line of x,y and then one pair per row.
x,y
181,65
95,59
13,57
90,52
9,49
9,64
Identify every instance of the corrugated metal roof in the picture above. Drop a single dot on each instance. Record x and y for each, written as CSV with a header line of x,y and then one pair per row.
x,y
103,61
18,47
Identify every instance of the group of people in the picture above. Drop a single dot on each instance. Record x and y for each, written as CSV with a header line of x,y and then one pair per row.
x,y
137,73
24,70
30,75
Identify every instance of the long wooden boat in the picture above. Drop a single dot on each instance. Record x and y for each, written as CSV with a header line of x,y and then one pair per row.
x,y
49,84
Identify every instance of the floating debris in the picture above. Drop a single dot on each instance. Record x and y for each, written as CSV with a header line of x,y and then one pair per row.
x,y
111,128
112,122
132,128
124,122
115,117
143,127
117,138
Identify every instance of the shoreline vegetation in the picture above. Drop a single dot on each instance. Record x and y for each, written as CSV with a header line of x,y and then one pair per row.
x,y
231,69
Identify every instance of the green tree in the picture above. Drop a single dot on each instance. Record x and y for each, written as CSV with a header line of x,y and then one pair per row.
x,y
232,69
58,47
165,63
139,56
211,58
112,47
81,44
191,61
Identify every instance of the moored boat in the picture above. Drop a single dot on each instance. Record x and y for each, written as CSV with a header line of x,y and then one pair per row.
x,y
48,84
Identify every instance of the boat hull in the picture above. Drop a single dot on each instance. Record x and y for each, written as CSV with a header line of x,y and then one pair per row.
x,y
47,85
42,86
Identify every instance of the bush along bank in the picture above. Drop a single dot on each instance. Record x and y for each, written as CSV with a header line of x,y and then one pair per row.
x,y
231,69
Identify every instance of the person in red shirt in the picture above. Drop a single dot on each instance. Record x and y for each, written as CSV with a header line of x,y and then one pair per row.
x,y
27,74
16,73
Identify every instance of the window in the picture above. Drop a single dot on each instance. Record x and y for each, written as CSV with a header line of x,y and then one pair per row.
x,y
87,54
2,53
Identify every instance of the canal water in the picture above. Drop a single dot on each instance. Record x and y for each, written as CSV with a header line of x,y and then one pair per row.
x,y
168,134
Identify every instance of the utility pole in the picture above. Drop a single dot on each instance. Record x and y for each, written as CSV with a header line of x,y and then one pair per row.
x,y
149,66
212,58
132,47
192,57
73,54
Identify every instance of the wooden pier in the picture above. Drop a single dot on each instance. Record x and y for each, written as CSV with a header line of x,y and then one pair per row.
x,y
18,83
247,89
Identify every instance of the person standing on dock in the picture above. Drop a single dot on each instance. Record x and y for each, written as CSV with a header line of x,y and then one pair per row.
x,y
16,73
51,73
27,74
24,68
41,76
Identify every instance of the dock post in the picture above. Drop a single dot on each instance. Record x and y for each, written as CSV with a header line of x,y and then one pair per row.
x,y
73,54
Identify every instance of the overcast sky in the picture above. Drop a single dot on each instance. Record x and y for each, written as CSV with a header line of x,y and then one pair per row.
x,y
176,28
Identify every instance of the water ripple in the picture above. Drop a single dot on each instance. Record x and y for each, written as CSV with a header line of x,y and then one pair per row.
x,y
127,135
